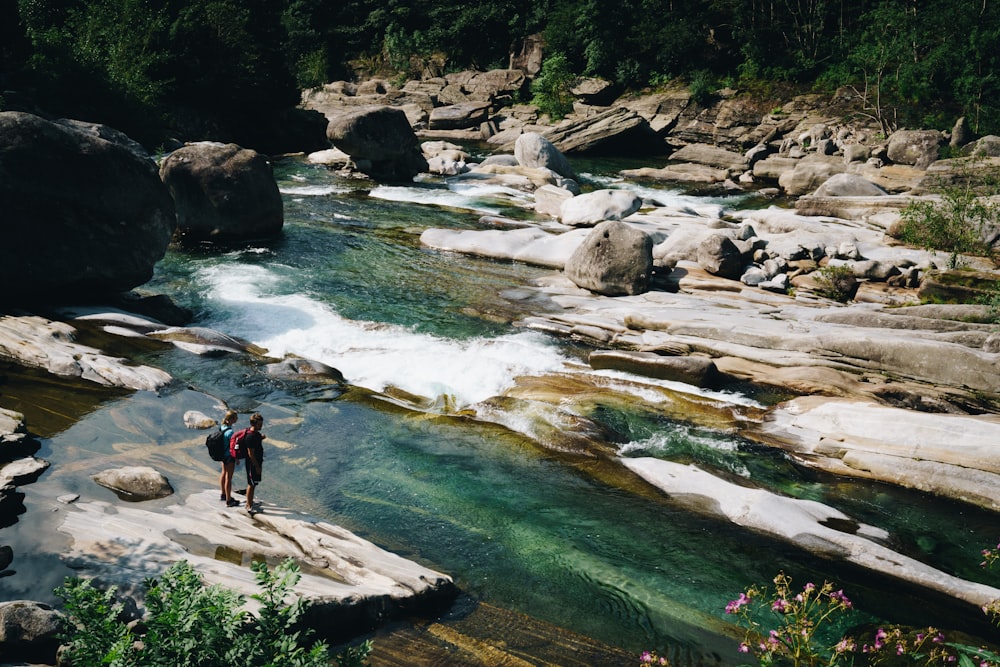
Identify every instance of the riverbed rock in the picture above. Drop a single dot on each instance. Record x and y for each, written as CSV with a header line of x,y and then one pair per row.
x,y
614,259
694,370
29,632
223,193
459,116
917,147
84,214
818,528
533,150
616,129
37,342
351,584
381,138
135,483
588,209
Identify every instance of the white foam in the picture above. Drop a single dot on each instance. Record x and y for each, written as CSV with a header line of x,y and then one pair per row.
x,y
311,190
248,303
486,198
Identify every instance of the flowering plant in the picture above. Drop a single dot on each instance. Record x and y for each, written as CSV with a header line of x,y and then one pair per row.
x,y
789,624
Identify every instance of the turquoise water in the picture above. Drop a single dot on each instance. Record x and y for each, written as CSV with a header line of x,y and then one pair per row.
x,y
517,523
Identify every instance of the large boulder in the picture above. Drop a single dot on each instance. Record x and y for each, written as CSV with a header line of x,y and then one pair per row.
x,y
459,116
29,631
591,208
917,147
223,193
135,483
720,256
381,142
615,259
83,211
533,150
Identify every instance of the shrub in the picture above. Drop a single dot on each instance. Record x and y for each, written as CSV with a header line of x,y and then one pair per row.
x,y
550,89
837,282
187,623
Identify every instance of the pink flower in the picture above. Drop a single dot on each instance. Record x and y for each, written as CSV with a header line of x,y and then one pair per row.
x,y
744,648
779,606
734,605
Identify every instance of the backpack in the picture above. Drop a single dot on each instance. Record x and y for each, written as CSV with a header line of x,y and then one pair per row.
x,y
216,444
236,445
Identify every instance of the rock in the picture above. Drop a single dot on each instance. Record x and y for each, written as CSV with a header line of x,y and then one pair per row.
x,y
697,371
135,483
534,150
29,631
614,130
22,471
718,255
594,91
331,157
306,370
6,556
988,146
199,420
381,135
349,582
856,153
459,116
848,185
223,193
529,55
96,223
679,173
809,174
614,259
206,342
917,147
40,343
591,208
549,200
961,133
808,524
493,84
711,156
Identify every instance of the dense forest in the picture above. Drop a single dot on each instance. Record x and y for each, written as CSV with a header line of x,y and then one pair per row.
x,y
145,65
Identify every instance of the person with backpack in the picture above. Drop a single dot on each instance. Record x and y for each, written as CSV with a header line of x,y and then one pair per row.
x,y
228,462
248,444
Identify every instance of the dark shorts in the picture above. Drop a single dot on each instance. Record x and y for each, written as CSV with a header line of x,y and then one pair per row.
x,y
253,478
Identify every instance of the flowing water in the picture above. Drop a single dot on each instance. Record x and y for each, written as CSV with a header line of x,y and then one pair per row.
x,y
422,459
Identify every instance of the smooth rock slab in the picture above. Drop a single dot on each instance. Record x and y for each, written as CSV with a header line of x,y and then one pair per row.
x,y
805,523
135,482
345,577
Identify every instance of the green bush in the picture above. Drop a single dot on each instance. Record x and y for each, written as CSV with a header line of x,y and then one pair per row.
x,y
190,624
551,88
837,283
957,224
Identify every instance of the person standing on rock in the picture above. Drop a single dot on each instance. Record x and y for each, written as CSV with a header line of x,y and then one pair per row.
x,y
228,462
253,442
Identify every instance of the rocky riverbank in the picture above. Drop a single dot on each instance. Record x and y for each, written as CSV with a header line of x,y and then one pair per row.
x,y
879,386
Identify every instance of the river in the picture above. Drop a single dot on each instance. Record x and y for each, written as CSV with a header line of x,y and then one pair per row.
x,y
421,457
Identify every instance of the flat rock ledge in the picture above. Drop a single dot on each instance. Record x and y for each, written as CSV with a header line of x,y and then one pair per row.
x,y
813,526
352,584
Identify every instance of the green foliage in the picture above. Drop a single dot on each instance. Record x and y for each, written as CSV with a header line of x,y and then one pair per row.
x,y
837,282
189,624
551,88
958,224
702,87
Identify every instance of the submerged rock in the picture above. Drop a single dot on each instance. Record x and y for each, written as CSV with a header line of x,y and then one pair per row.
x,y
135,483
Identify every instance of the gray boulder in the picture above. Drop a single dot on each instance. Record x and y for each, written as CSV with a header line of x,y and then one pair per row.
x,y
615,259
698,371
597,206
917,147
848,185
720,256
28,631
533,150
458,116
223,193
81,214
381,142
135,483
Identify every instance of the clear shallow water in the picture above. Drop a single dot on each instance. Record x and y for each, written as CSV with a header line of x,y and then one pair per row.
x,y
516,524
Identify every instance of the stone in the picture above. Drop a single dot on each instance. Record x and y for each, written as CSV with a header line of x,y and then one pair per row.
x,y
597,206
711,156
305,370
719,255
848,185
533,150
458,116
382,135
809,174
22,471
96,224
916,147
347,581
223,193
199,420
693,370
614,130
135,483
29,631
613,260
550,198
